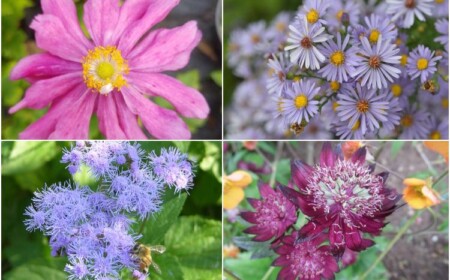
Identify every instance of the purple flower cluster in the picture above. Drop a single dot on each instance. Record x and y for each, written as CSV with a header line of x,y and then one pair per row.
x,y
339,71
93,228
346,203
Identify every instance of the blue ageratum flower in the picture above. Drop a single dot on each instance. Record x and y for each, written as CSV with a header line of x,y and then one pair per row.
x,y
299,103
376,63
362,107
422,63
341,61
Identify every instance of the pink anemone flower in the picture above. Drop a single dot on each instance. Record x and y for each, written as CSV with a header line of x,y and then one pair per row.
x,y
110,75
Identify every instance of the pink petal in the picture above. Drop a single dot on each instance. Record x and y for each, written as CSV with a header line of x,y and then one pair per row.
x,y
108,120
327,156
135,26
187,101
42,128
101,19
161,123
52,36
166,49
128,121
43,92
42,66
74,122
66,11
300,172
359,156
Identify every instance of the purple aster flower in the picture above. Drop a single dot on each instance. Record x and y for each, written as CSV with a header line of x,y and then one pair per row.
x,y
280,76
358,32
439,129
315,11
379,25
111,74
349,9
274,213
363,105
342,197
440,8
305,260
402,89
341,61
392,114
299,103
407,10
414,123
422,62
343,131
377,63
277,33
302,42
442,27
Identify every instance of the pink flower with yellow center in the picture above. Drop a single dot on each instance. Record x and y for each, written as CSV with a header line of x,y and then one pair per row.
x,y
110,74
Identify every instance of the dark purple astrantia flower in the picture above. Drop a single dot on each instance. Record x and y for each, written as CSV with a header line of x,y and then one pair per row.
x,y
343,197
274,213
305,260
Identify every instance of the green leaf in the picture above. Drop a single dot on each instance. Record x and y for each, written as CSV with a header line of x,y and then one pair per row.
x,y
157,226
217,77
169,265
183,146
364,261
190,78
27,156
249,269
396,147
35,272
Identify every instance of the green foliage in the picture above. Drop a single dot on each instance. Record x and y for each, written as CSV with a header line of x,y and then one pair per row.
x,y
190,78
188,225
217,77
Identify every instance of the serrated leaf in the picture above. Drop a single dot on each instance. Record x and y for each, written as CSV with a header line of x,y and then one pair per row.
x,y
27,156
35,272
258,249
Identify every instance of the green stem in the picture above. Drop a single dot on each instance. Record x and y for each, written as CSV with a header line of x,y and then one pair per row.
x,y
230,275
275,163
391,244
268,273
142,225
442,176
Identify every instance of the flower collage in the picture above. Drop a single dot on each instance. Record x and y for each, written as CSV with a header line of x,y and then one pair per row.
x,y
225,139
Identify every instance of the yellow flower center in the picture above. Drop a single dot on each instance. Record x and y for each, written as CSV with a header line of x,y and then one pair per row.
x,y
337,58
335,86
404,60
335,105
374,34
339,14
280,105
396,90
407,120
444,103
312,16
301,101
280,26
356,125
362,106
422,63
103,69
435,135
439,1
297,78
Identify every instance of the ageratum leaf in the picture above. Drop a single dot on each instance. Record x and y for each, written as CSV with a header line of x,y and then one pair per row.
x,y
35,272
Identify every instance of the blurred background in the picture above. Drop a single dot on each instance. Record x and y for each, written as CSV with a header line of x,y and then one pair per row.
x,y
203,71
420,253
193,239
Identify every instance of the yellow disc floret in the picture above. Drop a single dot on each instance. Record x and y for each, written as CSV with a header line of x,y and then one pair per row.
x,y
301,101
312,16
103,69
444,103
335,86
435,135
422,63
356,125
407,120
404,60
373,36
337,58
396,90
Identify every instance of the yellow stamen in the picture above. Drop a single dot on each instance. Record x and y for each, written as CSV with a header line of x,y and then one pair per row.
x,y
435,135
356,125
312,16
337,58
422,63
339,14
444,103
396,90
335,86
362,106
374,34
301,101
103,69
404,60
335,106
439,1
406,121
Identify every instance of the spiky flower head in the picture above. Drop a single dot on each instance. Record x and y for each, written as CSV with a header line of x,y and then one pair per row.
x,y
343,197
274,213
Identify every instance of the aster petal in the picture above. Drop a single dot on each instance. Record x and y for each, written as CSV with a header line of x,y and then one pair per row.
x,y
300,172
108,120
161,123
327,156
66,11
153,12
128,121
43,92
166,49
101,19
42,66
52,36
187,101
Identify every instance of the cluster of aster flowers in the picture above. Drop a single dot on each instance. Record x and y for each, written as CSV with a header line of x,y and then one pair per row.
x,y
93,227
347,69
345,202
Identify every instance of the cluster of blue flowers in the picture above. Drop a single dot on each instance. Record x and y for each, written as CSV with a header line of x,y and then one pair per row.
x,y
342,69
93,227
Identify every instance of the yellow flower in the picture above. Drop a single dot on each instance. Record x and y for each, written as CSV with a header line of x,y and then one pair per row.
x,y
419,193
233,192
440,147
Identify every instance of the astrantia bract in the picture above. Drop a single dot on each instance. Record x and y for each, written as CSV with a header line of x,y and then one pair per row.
x,y
109,75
